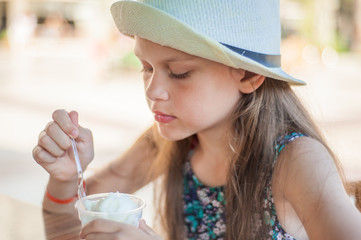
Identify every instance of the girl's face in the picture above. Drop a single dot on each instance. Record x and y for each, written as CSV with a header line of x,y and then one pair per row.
x,y
186,94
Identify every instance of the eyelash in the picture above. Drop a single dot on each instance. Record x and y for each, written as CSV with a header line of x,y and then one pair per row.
x,y
144,69
171,75
179,76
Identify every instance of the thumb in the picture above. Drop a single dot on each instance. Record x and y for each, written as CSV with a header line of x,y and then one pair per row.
x,y
74,116
143,226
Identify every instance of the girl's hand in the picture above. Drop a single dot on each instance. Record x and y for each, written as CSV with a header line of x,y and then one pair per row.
x,y
106,229
54,151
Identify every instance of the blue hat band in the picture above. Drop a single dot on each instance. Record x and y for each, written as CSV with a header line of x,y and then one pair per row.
x,y
273,61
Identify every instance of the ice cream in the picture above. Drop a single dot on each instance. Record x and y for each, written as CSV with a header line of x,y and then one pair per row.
x,y
114,203
120,207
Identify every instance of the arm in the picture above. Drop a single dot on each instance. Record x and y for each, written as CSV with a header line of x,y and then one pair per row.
x,y
129,172
316,192
54,153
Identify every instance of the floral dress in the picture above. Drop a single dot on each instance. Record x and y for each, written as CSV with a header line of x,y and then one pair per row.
x,y
205,207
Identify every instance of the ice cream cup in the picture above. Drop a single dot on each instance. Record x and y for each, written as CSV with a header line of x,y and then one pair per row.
x,y
131,217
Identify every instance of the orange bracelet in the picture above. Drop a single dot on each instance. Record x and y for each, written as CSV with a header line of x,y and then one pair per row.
x,y
62,201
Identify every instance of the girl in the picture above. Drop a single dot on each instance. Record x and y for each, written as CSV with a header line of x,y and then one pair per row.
x,y
236,153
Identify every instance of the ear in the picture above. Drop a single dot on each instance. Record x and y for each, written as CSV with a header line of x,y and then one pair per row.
x,y
248,82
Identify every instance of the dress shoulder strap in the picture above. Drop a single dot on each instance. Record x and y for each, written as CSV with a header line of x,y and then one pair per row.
x,y
283,141
271,218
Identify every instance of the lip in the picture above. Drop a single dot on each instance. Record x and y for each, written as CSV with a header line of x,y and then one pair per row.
x,y
162,117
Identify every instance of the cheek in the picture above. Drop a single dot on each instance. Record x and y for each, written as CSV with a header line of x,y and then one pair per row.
x,y
208,103
223,103
188,102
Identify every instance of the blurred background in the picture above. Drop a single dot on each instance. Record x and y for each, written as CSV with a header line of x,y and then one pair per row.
x,y
68,54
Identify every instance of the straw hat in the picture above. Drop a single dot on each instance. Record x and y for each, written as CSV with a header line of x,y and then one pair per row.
x,y
239,33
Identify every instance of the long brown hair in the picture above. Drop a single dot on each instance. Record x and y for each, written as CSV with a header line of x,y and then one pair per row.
x,y
259,118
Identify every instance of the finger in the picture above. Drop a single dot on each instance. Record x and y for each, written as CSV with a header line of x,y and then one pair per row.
x,y
74,116
147,229
49,145
42,156
56,133
63,119
85,135
101,225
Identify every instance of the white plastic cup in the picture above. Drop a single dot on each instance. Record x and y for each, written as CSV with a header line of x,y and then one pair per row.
x,y
131,217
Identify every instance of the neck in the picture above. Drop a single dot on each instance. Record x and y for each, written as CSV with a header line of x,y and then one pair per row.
x,y
214,149
213,146
210,160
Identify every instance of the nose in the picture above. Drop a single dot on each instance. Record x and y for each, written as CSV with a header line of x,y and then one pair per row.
x,y
156,88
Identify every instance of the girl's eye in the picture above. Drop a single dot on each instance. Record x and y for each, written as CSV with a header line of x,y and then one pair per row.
x,y
171,75
179,76
147,70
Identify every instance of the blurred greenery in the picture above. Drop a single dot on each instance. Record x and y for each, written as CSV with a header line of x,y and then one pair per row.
x,y
130,61
3,34
342,38
340,44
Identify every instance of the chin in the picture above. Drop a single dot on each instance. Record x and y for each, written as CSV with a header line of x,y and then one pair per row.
x,y
172,134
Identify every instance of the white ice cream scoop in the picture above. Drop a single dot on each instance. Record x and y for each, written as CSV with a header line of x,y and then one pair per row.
x,y
120,207
115,202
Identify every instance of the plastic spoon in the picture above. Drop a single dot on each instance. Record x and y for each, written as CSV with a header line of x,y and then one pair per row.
x,y
81,190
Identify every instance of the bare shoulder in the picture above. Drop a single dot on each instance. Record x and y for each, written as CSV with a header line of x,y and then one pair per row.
x,y
307,177
306,166
304,151
304,157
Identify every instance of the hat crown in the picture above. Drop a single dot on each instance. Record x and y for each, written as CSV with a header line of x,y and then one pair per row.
x,y
253,25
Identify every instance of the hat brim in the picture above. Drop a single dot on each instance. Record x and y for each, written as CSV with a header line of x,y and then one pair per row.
x,y
138,19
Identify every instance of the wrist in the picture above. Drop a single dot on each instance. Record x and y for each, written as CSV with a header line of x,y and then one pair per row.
x,y
61,182
62,200
58,200
61,189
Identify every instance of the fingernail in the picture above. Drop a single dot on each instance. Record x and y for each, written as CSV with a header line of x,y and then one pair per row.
x,y
74,133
